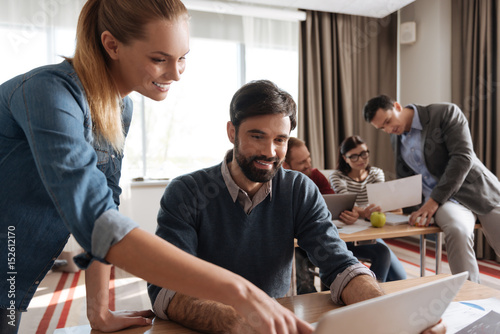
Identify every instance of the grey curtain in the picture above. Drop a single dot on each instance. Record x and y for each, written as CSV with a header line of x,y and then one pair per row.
x,y
344,61
475,81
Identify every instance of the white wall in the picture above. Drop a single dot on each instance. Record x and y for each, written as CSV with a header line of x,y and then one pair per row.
x,y
425,75
425,78
140,201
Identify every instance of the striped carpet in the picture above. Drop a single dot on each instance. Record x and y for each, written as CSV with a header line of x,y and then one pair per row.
x,y
408,251
60,300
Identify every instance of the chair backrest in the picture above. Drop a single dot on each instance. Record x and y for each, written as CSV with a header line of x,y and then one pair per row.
x,y
326,172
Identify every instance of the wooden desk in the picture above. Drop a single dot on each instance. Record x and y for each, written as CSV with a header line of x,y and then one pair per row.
x,y
403,230
309,307
395,231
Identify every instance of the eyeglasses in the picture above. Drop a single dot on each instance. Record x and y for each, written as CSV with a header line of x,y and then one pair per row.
x,y
355,157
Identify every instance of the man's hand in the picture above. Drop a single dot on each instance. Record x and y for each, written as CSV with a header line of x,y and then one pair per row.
x,y
364,287
438,328
271,315
425,213
349,217
209,316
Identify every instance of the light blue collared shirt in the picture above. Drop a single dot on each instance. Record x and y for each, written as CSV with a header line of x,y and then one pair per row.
x,y
411,151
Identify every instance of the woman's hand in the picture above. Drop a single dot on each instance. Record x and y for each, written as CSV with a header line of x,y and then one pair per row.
x,y
349,217
266,316
100,317
367,212
111,321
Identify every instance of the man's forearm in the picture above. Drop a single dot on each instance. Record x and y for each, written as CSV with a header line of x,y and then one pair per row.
x,y
360,288
205,315
164,265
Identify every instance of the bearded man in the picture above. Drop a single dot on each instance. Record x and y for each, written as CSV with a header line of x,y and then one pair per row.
x,y
244,214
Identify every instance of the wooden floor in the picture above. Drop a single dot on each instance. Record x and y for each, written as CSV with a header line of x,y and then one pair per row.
x,y
60,300
407,250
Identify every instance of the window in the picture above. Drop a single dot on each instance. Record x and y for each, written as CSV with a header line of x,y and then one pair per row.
x,y
186,131
35,33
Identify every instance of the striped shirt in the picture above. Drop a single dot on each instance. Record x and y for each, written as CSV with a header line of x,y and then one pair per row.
x,y
342,183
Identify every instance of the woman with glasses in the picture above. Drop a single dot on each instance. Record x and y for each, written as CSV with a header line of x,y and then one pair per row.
x,y
352,175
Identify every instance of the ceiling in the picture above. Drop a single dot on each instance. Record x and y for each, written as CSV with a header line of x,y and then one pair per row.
x,y
372,8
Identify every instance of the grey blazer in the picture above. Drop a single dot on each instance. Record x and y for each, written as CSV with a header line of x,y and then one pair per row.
x,y
449,156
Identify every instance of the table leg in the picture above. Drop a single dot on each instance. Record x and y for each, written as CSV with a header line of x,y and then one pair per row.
x,y
439,251
293,287
422,255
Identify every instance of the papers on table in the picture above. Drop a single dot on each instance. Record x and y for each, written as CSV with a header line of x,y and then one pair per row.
x,y
396,194
359,225
489,323
472,316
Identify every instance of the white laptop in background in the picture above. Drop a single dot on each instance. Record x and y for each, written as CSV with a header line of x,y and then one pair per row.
x,y
404,312
395,219
337,203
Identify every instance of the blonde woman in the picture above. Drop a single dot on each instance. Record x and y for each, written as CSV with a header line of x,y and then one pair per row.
x,y
62,132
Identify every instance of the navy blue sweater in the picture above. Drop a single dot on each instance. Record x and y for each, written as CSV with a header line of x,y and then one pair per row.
x,y
198,215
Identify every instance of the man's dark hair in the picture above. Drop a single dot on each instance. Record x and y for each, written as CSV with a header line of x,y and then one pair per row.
x,y
293,142
383,102
261,97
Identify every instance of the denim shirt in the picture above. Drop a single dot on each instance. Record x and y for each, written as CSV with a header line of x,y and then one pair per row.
x,y
55,179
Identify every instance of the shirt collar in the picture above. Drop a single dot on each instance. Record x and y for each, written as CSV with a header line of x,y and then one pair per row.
x,y
233,188
415,124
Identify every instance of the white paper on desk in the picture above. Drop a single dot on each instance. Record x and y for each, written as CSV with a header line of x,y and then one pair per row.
x,y
460,314
359,225
396,194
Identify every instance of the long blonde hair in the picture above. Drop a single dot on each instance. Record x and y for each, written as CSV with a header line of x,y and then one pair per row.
x,y
125,20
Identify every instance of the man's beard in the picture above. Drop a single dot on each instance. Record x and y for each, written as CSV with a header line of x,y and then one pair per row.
x,y
253,173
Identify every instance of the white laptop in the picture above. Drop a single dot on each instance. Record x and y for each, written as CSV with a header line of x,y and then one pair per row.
x,y
409,311
337,203
395,219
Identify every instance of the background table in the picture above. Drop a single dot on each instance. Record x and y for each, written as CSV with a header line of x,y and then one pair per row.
x,y
402,230
387,232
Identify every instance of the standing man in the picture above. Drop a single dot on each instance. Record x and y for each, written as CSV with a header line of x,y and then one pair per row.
x,y
298,158
457,188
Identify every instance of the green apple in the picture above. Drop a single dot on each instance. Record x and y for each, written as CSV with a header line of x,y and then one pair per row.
x,y
377,219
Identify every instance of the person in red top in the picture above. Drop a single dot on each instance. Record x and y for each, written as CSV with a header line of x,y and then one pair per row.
x,y
298,158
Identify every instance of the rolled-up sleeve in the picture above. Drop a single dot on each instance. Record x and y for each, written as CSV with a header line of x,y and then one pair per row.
x,y
344,278
109,228
317,235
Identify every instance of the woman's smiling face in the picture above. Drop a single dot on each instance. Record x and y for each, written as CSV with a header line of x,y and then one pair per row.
x,y
150,65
